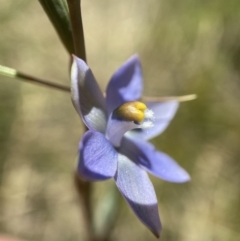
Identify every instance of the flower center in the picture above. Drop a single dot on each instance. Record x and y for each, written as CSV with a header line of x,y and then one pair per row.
x,y
131,111
128,116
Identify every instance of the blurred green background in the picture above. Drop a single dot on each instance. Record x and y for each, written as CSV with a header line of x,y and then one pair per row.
x,y
187,46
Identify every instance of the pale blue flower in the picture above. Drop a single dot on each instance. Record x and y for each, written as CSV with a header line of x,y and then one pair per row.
x,y
116,147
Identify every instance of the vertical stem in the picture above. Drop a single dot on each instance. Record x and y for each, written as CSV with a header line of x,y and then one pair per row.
x,y
84,192
77,28
83,188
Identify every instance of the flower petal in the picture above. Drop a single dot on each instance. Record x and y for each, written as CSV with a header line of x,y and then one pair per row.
x,y
163,114
98,158
157,163
125,85
116,128
87,96
137,189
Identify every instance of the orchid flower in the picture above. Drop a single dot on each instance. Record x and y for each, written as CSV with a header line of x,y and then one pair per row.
x,y
116,143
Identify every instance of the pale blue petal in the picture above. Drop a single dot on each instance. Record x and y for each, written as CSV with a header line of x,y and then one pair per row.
x,y
125,85
97,158
157,163
116,128
163,114
137,189
87,96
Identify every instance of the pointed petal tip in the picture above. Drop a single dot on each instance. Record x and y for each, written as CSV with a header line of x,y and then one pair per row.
x,y
134,59
182,176
126,84
135,56
187,178
75,58
157,232
157,235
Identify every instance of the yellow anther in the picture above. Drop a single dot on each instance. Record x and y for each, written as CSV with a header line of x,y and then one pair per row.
x,y
131,111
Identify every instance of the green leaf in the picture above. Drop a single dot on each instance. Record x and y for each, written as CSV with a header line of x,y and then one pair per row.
x,y
57,11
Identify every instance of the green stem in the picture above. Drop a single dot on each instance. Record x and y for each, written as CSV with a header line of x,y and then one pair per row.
x,y
74,7
13,73
84,190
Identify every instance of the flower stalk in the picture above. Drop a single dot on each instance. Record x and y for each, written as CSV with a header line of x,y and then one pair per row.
x,y
84,191
77,28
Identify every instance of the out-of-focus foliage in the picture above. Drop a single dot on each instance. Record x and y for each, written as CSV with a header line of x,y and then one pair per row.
x,y
185,47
